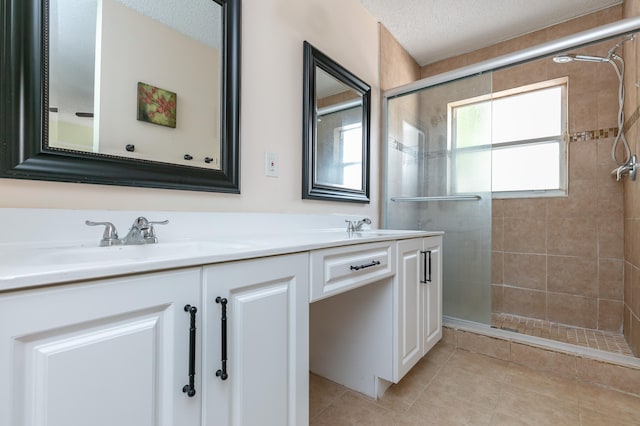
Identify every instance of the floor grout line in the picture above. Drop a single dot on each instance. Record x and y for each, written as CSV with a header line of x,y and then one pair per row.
x,y
424,388
582,409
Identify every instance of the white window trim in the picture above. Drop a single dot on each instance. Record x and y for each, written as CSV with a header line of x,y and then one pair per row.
x,y
338,142
563,139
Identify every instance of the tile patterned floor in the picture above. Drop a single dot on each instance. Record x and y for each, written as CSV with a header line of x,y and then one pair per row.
x,y
596,339
454,387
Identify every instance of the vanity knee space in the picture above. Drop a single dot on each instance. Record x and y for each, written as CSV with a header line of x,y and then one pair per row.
x,y
369,326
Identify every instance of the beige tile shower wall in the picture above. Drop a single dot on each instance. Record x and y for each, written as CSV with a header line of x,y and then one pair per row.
x,y
561,259
632,193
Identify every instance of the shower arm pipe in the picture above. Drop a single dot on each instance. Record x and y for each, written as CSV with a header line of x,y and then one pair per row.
x,y
612,51
604,32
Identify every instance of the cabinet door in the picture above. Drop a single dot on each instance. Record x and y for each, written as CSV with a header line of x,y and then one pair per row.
x,y
108,352
409,318
432,293
267,342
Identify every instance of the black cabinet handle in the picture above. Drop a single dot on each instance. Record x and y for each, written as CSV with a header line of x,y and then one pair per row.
x,y
367,265
222,373
190,389
426,277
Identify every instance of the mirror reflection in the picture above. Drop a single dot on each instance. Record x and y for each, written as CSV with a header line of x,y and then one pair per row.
x,y
336,115
338,145
136,79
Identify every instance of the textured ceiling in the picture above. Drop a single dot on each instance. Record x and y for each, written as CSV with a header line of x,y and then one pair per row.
x,y
431,30
199,19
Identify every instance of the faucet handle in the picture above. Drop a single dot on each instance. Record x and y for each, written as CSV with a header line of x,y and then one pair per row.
x,y
150,235
110,233
350,225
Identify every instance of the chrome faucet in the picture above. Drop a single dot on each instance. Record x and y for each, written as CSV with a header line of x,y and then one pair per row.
x,y
141,232
356,226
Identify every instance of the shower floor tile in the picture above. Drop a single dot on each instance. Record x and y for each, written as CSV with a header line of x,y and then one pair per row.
x,y
595,339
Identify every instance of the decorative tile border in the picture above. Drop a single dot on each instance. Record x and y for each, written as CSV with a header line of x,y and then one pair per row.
x,y
611,132
399,146
587,135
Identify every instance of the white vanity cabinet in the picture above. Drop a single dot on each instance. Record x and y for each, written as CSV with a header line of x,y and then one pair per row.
x,y
78,348
418,295
432,294
267,342
103,352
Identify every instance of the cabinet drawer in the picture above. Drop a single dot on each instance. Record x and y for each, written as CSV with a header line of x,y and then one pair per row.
x,y
337,270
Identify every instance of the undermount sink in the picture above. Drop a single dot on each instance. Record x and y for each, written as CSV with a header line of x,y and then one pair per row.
x,y
142,252
379,232
362,234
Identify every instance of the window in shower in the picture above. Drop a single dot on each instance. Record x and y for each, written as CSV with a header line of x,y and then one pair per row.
x,y
525,129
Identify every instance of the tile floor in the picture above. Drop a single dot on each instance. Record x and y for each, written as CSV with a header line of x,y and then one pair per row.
x,y
595,339
454,387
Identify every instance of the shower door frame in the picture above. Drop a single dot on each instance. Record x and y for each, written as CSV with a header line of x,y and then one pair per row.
x,y
601,33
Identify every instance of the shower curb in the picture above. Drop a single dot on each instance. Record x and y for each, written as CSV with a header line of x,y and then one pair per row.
x,y
613,371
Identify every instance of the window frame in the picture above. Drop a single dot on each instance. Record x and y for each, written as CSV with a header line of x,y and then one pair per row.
x,y
562,139
339,149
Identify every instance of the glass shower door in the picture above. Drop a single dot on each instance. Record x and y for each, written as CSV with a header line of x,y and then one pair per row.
x,y
439,179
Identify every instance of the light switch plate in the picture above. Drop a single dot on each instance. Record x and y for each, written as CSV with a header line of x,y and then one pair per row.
x,y
271,164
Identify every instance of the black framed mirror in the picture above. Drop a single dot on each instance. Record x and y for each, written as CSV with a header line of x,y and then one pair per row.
x,y
85,100
336,120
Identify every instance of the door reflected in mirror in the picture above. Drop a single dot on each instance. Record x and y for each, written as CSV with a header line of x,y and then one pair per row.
x,y
98,53
336,131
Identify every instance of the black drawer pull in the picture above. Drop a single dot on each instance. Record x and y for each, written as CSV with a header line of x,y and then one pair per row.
x,y
426,274
190,389
367,265
222,373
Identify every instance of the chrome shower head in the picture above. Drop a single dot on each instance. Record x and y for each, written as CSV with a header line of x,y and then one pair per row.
x,y
563,59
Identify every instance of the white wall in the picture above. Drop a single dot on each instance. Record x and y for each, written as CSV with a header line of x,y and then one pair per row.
x,y
163,57
271,117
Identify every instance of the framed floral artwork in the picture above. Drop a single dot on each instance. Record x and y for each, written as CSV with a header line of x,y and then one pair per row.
x,y
157,106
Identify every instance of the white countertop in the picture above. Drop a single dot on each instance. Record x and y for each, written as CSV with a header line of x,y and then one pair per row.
x,y
55,254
